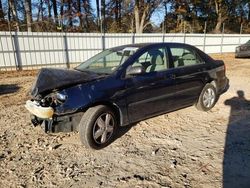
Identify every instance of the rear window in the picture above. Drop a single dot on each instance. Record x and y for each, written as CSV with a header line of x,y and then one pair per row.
x,y
184,57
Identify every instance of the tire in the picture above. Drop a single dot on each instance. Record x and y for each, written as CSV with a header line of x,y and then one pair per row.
x,y
97,127
207,98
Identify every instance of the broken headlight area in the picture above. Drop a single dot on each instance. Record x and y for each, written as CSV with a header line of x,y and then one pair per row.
x,y
54,99
44,108
43,113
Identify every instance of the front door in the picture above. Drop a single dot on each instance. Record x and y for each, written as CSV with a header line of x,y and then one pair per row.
x,y
150,93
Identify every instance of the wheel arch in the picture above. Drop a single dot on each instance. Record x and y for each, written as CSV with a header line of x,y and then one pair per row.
x,y
114,107
214,83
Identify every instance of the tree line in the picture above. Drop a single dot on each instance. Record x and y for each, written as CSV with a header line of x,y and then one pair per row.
x,y
124,16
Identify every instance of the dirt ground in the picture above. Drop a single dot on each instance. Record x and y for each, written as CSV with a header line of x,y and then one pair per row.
x,y
186,148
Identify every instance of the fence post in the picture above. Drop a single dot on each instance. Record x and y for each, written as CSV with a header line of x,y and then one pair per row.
x,y
132,38
66,50
17,51
222,38
204,38
103,41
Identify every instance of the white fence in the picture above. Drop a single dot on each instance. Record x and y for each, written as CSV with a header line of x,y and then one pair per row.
x,y
23,50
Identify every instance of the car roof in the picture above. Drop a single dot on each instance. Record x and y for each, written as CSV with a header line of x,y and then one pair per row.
x,y
142,45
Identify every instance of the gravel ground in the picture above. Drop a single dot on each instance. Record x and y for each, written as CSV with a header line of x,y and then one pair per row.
x,y
186,148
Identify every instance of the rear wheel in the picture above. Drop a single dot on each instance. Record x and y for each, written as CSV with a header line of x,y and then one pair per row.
x,y
97,127
207,98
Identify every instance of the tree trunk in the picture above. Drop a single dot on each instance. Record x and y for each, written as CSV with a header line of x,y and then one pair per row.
x,y
9,12
116,10
248,12
103,16
86,11
140,17
118,13
30,8
220,17
49,9
79,12
218,24
12,7
40,11
61,8
165,18
98,9
55,10
70,13
137,18
27,5
61,14
1,11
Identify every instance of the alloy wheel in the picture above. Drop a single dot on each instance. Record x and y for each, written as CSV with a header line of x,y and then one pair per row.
x,y
103,128
208,98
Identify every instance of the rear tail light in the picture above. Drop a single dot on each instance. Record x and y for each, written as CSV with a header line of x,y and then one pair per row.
x,y
222,65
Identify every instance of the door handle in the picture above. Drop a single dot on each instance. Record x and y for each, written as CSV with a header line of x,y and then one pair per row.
x,y
172,76
202,69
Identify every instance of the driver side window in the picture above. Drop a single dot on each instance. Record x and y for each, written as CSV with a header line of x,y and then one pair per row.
x,y
153,60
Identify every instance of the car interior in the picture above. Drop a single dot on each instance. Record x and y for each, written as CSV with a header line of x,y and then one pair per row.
x,y
182,57
153,60
156,61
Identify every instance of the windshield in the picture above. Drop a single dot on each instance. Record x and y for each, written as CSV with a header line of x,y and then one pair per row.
x,y
107,61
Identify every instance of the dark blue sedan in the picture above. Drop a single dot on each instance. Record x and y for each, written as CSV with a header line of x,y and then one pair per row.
x,y
124,85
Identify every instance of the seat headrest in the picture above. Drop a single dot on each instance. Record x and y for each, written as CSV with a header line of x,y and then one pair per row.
x,y
156,57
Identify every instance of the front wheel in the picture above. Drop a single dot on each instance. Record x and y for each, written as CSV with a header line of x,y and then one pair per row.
x,y
97,127
207,98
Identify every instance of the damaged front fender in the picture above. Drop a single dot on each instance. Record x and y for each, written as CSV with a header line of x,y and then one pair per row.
x,y
78,97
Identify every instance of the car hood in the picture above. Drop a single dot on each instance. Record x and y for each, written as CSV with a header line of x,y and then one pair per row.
x,y
49,79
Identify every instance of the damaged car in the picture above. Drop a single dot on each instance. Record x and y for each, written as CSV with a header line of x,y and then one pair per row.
x,y
124,85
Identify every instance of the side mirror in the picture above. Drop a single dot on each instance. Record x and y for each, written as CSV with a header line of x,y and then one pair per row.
x,y
131,71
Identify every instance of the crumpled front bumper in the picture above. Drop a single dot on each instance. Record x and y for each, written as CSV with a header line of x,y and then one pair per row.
x,y
51,122
39,111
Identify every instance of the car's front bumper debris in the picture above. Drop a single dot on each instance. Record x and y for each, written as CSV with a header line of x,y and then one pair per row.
x,y
36,109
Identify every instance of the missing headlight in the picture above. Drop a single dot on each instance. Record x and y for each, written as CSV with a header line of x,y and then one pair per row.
x,y
53,99
61,97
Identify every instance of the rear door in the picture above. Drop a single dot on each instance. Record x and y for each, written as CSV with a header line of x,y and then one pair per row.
x,y
189,71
